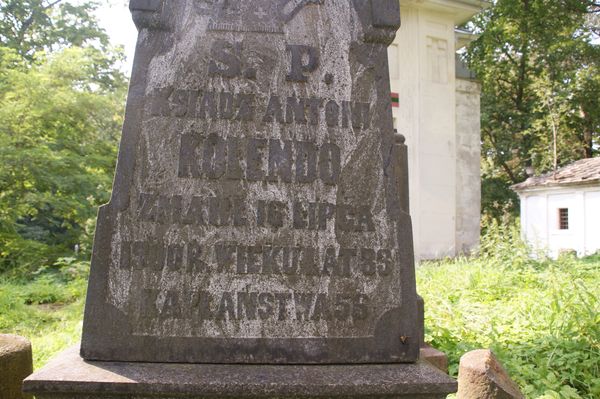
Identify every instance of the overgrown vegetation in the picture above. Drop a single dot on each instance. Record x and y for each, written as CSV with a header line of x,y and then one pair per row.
x,y
61,106
540,317
539,65
61,97
47,308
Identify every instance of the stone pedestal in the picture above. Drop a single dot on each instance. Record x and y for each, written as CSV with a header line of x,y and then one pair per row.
x,y
15,365
436,358
481,375
68,376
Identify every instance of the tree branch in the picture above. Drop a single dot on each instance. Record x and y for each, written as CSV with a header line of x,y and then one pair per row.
x,y
503,164
31,19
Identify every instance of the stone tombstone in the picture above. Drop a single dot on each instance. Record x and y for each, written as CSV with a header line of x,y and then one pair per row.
x,y
16,364
257,212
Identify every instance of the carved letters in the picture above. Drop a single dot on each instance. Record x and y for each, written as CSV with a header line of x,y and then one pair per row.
x,y
232,258
263,306
227,61
252,159
248,107
237,212
212,157
299,67
255,214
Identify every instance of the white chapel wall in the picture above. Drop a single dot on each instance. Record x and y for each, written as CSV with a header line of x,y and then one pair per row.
x,y
572,238
468,171
426,85
592,221
440,117
534,220
540,220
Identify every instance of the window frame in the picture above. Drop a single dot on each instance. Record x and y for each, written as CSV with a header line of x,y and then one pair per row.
x,y
563,219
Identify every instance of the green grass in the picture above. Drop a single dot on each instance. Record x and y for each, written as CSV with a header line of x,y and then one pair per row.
x,y
48,310
540,317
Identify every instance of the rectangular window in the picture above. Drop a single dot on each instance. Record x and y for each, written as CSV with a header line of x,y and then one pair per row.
x,y
563,218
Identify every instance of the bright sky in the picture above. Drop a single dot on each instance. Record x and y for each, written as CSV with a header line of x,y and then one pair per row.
x,y
115,18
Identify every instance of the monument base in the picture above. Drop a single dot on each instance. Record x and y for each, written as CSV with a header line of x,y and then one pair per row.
x,y
68,376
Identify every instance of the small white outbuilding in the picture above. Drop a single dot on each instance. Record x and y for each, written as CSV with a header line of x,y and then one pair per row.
x,y
561,211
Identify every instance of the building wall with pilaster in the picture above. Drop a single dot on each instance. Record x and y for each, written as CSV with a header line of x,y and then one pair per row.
x,y
439,115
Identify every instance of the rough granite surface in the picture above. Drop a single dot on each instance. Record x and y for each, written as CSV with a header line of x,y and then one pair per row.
x,y
480,375
68,376
16,363
258,213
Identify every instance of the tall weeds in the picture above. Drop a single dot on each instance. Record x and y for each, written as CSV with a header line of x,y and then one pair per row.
x,y
541,317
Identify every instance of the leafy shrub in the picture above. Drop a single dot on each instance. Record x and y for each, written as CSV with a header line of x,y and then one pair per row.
x,y
58,141
47,308
539,316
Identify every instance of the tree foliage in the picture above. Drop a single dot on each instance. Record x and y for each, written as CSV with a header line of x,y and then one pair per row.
x,y
539,69
30,26
61,110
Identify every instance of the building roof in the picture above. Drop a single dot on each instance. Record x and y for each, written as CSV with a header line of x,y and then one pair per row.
x,y
463,38
462,10
585,171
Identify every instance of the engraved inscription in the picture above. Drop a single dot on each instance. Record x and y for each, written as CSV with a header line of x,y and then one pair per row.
x,y
248,107
237,212
263,306
263,160
240,157
305,59
233,258
259,204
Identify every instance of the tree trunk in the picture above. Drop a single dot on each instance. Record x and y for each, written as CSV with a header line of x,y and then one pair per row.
x,y
588,132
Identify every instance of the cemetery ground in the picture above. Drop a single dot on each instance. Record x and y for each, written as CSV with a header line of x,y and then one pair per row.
x,y
541,317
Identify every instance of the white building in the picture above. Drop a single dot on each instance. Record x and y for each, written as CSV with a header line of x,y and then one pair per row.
x,y
439,113
561,212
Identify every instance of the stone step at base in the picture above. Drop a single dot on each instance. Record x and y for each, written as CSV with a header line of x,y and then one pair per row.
x,y
68,376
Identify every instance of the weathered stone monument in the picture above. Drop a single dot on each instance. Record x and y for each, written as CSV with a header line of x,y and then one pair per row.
x,y
258,229
481,376
16,364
